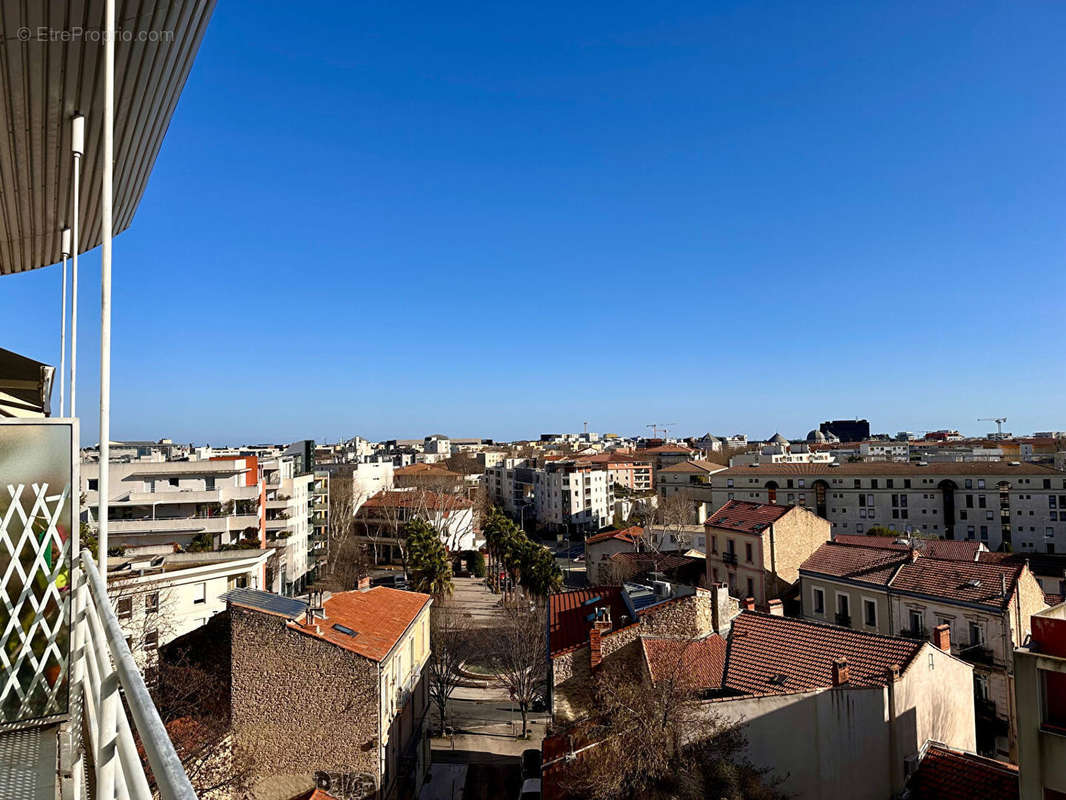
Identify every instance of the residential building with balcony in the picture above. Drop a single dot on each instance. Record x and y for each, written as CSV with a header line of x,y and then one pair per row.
x,y
380,521
289,502
355,697
205,504
1040,695
688,479
756,549
900,591
319,521
569,496
990,502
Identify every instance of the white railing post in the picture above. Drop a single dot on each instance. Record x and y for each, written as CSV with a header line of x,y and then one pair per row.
x,y
106,201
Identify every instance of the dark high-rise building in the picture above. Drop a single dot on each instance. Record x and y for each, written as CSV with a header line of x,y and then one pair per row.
x,y
847,430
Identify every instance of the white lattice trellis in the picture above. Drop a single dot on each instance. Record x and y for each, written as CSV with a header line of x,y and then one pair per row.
x,y
34,593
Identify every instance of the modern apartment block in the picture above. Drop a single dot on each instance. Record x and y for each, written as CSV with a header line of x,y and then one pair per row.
x,y
289,500
319,520
880,586
991,502
206,504
1040,692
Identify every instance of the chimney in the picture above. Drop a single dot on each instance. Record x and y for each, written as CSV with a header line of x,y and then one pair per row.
x,y
595,655
914,554
749,603
840,671
1002,585
777,608
602,622
364,584
942,637
893,672
309,617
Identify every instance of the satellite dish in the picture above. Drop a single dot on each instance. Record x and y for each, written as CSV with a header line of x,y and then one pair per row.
x,y
323,782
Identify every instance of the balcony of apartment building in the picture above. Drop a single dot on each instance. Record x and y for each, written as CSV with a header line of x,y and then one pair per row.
x,y
76,719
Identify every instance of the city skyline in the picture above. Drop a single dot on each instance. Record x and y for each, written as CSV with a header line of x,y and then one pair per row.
x,y
436,222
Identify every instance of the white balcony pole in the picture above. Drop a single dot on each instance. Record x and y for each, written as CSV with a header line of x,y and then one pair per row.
x,y
77,146
63,329
105,276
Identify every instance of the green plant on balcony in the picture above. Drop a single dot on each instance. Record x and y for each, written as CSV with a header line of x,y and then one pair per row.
x,y
201,543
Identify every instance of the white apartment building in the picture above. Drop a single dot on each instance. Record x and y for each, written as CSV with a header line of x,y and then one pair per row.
x,y
159,598
983,501
884,451
782,453
288,524
212,503
566,497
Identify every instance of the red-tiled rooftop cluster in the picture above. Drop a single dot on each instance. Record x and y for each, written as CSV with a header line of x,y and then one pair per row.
x,y
632,535
768,654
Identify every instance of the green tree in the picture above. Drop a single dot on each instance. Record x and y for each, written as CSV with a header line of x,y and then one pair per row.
x,y
430,567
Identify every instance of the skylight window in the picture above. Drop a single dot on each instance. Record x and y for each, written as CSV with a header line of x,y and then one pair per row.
x,y
345,630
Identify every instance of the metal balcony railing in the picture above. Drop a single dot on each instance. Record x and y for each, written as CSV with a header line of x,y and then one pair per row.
x,y
104,673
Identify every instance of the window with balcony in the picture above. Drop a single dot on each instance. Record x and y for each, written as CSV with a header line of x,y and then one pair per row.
x,y
151,603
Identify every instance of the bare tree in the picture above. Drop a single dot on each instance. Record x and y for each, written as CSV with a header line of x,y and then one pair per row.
x,y
656,739
517,656
672,517
449,634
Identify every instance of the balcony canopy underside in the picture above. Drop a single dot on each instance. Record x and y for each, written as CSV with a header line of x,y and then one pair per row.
x,y
44,81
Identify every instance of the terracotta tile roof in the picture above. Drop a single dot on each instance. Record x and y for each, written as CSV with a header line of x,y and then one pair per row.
x,y
867,564
315,794
992,468
1051,565
416,499
962,581
740,515
690,467
779,655
667,448
945,774
696,664
379,616
433,470
568,623
631,534
950,549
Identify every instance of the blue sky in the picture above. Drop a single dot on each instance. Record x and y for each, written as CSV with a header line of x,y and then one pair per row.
x,y
393,219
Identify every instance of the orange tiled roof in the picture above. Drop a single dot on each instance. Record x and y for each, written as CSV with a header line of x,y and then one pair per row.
x,y
426,469
868,564
945,774
631,534
379,616
416,499
955,580
779,655
696,664
315,794
740,515
693,466
950,549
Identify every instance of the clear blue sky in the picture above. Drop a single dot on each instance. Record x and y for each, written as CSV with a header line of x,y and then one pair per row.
x,y
486,219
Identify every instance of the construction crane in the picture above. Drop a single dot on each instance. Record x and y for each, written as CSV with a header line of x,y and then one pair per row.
x,y
999,424
657,426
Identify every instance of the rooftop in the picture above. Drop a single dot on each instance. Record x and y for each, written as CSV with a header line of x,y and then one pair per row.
x,y
369,622
416,499
568,614
698,664
946,774
740,515
951,549
962,581
631,534
779,655
867,564
693,466
992,468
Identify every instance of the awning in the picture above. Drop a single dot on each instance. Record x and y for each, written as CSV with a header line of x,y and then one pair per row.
x,y
51,68
25,386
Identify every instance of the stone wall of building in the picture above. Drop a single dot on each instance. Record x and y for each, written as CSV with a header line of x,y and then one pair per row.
x,y
300,704
796,536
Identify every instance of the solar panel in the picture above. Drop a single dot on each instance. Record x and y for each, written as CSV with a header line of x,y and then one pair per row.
x,y
595,599
267,601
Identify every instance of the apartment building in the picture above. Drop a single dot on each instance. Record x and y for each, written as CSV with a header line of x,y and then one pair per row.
x,y
289,505
355,698
901,591
381,519
990,502
563,495
161,597
206,504
319,521
1040,694
690,479
624,468
756,549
